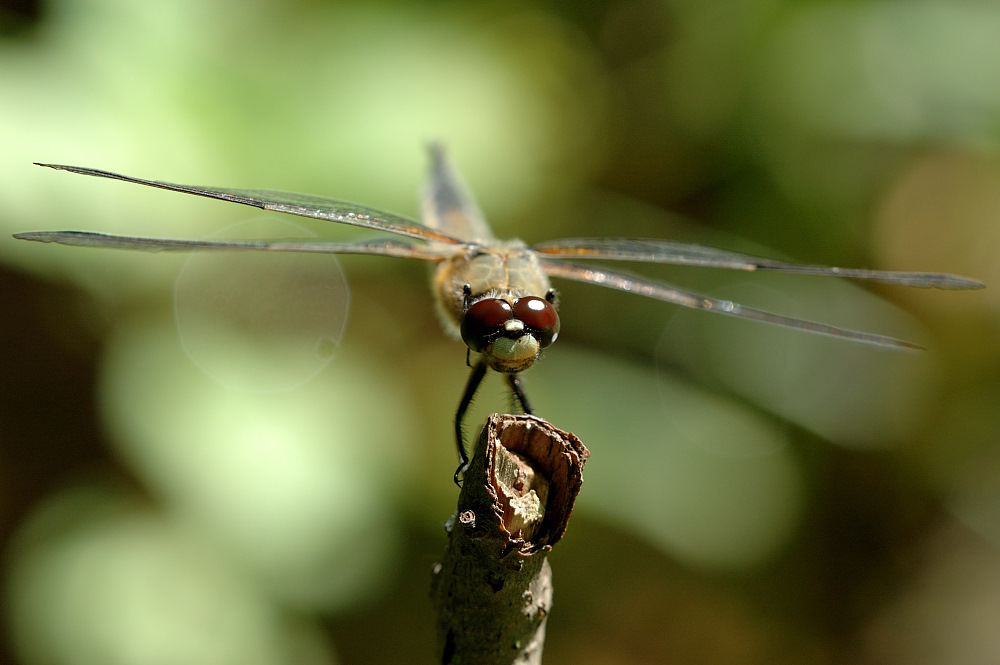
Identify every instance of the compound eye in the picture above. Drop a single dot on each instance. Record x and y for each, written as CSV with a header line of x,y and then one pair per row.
x,y
540,316
483,321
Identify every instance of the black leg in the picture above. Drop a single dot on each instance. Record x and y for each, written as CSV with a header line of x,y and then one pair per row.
x,y
478,372
467,297
515,385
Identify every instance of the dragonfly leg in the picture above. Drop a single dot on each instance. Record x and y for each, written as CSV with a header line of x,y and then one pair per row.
x,y
475,378
518,389
466,297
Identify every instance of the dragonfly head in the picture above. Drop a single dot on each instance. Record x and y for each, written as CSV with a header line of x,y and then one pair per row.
x,y
510,334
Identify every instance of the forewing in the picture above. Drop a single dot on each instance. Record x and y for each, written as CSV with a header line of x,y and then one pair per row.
x,y
303,205
634,284
653,250
319,246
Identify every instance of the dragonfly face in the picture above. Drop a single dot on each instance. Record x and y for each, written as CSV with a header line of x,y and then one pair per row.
x,y
510,333
495,295
489,296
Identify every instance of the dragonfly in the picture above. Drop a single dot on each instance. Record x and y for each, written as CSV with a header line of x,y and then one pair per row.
x,y
495,295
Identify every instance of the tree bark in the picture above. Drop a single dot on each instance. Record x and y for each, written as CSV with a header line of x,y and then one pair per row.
x,y
492,590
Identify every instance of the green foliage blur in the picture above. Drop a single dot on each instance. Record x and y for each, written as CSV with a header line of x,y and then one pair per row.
x,y
248,459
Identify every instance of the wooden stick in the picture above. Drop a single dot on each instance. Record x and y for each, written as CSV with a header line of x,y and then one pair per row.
x,y
492,590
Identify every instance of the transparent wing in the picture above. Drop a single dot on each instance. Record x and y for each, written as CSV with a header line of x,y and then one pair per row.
x,y
652,250
626,282
319,246
303,205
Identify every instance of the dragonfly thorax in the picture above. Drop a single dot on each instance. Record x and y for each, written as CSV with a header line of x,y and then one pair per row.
x,y
506,270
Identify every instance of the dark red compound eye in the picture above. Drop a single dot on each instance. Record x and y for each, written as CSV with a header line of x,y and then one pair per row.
x,y
540,317
483,321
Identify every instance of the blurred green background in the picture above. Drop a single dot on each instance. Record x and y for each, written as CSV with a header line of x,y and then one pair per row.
x,y
203,461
